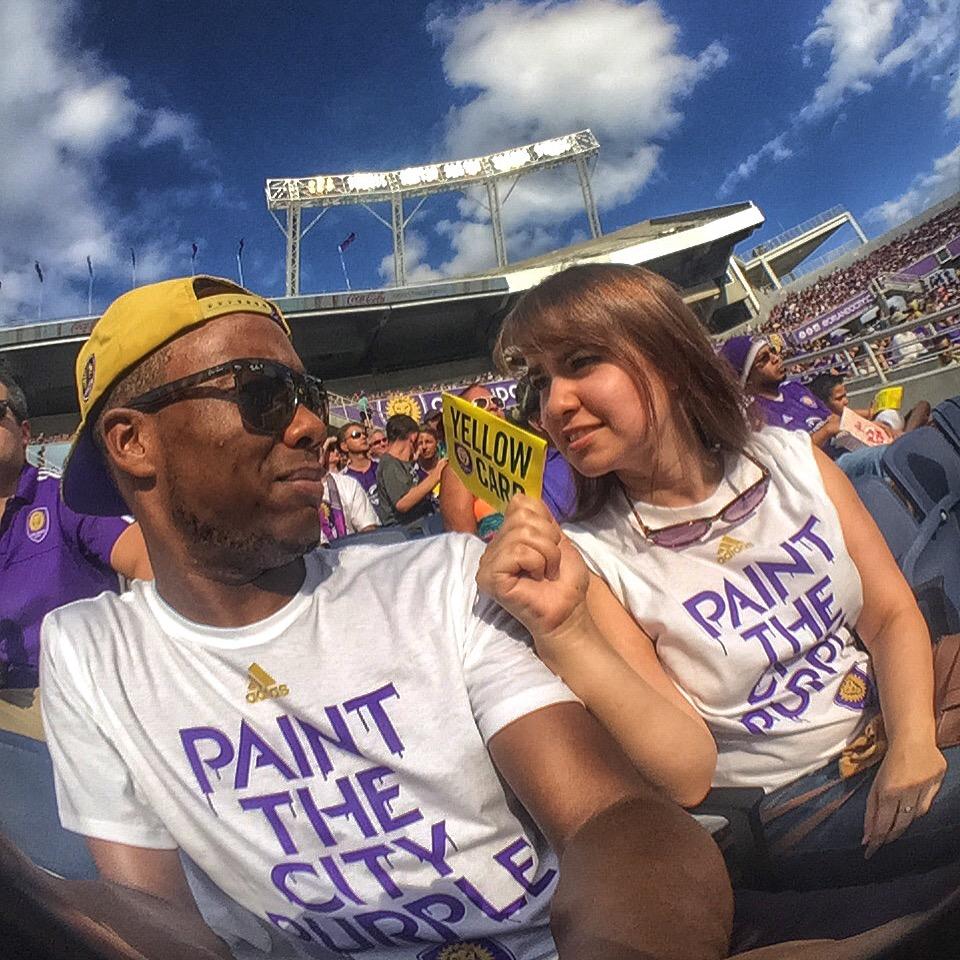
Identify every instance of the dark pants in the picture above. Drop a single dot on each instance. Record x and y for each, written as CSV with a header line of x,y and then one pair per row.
x,y
831,853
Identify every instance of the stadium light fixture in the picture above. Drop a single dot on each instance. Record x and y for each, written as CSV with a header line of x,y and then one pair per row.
x,y
293,194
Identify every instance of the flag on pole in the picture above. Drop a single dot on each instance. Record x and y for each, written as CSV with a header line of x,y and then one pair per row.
x,y
240,261
346,241
89,267
36,266
193,256
240,248
133,259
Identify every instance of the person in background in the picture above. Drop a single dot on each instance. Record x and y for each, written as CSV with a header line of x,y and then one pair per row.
x,y
760,601
49,554
428,456
460,509
789,404
404,498
377,438
354,444
346,508
434,419
333,459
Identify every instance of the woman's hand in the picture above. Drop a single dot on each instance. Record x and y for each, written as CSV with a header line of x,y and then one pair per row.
x,y
903,789
534,572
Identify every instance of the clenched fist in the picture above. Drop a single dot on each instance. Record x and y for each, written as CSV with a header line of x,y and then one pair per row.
x,y
533,571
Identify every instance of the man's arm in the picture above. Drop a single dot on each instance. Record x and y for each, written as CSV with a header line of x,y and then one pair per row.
x,y
638,877
422,490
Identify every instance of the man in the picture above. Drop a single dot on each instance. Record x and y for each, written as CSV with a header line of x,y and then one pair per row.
x,y
377,438
355,446
355,790
49,554
346,508
789,405
404,497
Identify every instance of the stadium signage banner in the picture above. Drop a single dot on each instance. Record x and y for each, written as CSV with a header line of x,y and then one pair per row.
x,y
418,405
493,457
817,327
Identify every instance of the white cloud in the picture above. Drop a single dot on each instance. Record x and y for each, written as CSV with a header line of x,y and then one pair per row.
x,y
927,188
415,267
953,98
857,33
775,149
534,71
866,40
61,112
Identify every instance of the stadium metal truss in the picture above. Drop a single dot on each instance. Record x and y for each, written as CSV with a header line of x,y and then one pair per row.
x,y
295,194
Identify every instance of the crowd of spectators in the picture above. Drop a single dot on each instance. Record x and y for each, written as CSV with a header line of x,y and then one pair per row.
x,y
843,283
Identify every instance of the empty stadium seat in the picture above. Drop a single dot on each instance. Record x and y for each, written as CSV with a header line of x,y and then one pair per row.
x,y
380,536
947,417
925,466
28,810
897,522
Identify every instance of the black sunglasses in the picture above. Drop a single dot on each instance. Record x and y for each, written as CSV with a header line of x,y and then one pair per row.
x,y
355,434
266,393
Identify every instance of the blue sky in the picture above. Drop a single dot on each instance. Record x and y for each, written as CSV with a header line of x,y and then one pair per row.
x,y
153,126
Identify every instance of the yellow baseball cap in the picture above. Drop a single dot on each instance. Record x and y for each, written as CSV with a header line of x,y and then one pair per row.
x,y
131,328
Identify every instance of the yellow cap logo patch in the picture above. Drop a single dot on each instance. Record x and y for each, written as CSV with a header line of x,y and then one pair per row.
x,y
89,372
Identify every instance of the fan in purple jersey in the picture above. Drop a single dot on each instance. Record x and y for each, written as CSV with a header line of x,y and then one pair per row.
x,y
355,446
789,405
49,554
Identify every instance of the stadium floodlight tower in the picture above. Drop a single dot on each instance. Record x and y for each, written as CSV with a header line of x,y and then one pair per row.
x,y
394,186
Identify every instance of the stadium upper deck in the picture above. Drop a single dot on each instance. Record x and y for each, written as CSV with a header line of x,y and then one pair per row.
x,y
362,333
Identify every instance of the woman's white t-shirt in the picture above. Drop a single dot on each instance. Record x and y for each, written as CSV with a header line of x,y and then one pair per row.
x,y
754,622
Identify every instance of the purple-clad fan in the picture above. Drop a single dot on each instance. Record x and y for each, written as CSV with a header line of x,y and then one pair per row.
x,y
789,404
49,554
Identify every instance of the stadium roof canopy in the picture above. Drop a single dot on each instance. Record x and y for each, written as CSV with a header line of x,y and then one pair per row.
x,y
361,333
772,262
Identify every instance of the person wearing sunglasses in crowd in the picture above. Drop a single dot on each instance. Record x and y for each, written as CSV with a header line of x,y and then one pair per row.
x,y
355,446
355,771
377,438
346,508
736,571
461,511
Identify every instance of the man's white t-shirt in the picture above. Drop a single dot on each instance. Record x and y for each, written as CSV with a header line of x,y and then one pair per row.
x,y
326,767
754,622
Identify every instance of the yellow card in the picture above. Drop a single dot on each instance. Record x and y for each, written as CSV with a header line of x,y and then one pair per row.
x,y
493,457
889,398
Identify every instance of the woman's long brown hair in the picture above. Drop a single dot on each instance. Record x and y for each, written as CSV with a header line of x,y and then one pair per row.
x,y
634,318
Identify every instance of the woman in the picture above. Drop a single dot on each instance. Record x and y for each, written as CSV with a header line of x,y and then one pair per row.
x,y
748,566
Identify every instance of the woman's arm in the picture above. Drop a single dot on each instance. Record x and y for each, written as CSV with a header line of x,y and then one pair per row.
x,y
456,505
894,632
583,634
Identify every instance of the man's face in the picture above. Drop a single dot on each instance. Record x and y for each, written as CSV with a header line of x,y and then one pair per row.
x,y
355,440
14,437
767,370
244,501
838,399
378,443
426,446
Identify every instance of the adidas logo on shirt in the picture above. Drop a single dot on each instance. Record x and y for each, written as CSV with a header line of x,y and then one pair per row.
x,y
728,548
262,686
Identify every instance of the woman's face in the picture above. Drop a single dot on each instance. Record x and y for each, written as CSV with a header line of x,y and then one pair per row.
x,y
595,413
